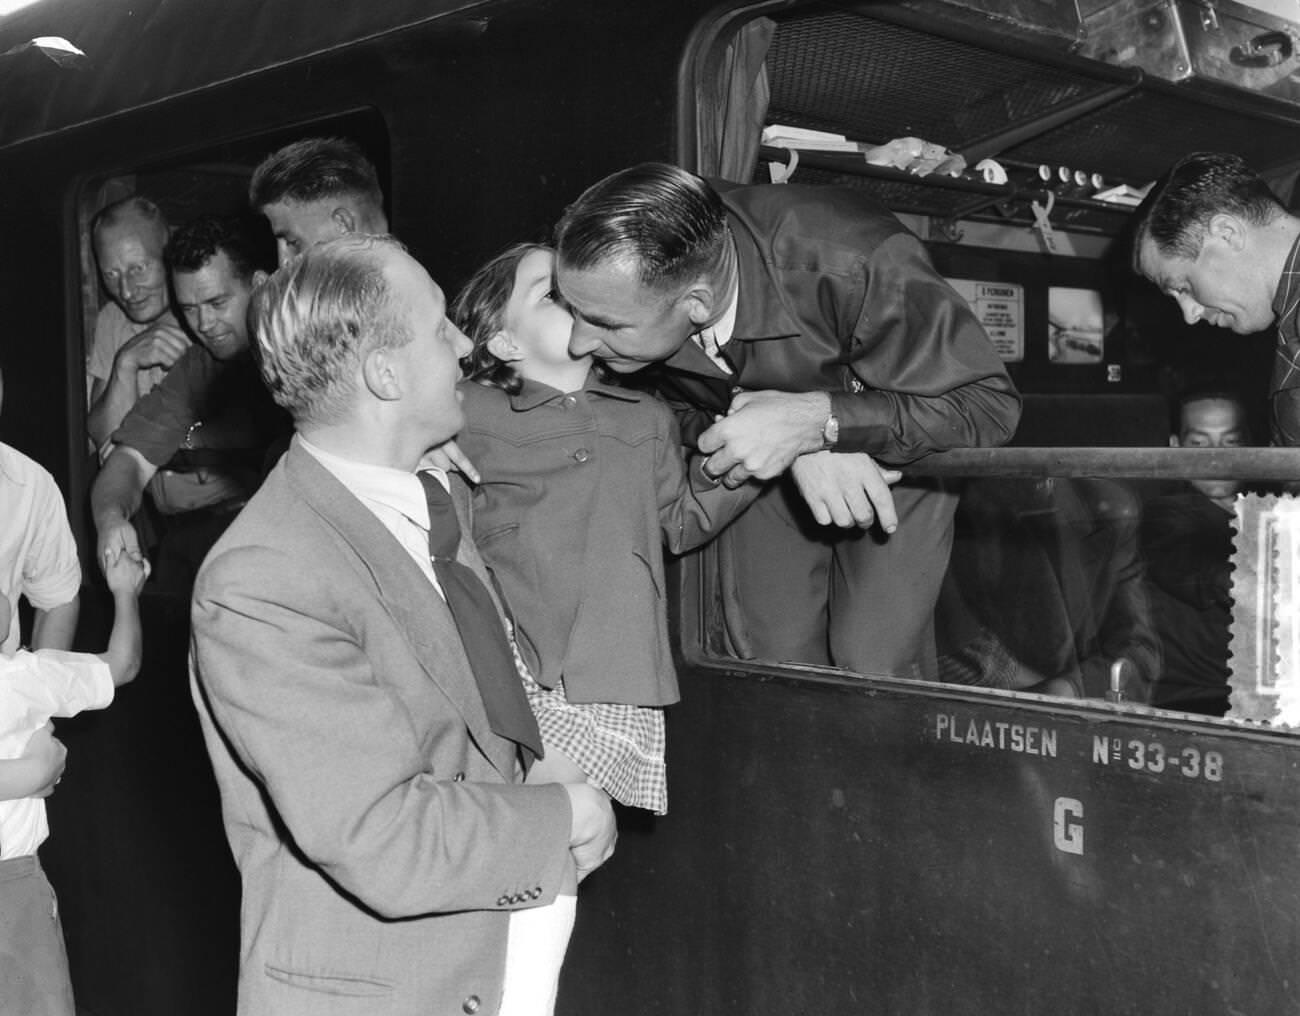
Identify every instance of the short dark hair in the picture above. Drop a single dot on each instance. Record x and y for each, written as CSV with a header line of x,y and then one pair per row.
x,y
245,241
1176,213
1207,394
668,223
479,311
314,169
137,206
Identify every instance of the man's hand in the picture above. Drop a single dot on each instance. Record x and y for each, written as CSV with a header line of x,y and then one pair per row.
x,y
117,537
847,489
762,434
159,345
45,757
450,459
592,831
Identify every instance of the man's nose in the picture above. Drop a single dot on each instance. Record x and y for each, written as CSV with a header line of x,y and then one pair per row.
x,y
460,343
1192,311
282,253
583,341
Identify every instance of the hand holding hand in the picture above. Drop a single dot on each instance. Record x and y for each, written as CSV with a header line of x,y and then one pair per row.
x,y
125,572
117,538
762,434
847,489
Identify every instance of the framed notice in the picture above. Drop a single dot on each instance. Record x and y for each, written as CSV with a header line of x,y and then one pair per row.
x,y
1000,308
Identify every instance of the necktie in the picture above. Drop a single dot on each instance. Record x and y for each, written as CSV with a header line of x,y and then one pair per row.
x,y
479,624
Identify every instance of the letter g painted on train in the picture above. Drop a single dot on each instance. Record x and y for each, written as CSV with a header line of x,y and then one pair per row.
x,y
1067,825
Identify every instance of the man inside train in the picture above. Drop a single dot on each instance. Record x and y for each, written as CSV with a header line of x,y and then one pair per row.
x,y
1186,538
137,338
314,190
210,416
796,322
365,716
1212,235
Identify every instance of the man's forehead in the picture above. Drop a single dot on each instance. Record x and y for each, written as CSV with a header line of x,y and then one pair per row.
x,y
130,232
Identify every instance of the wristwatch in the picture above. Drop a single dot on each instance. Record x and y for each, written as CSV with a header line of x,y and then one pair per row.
x,y
830,432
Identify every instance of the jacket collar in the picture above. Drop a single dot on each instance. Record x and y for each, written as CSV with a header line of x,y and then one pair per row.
x,y
534,394
418,611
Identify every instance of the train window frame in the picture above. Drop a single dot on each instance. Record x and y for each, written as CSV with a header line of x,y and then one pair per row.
x,y
714,51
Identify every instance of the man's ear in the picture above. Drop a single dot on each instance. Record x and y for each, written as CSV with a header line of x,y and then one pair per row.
x,y
345,219
504,348
382,375
1228,229
701,302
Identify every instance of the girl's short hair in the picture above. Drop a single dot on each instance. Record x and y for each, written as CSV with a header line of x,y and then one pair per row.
x,y
479,311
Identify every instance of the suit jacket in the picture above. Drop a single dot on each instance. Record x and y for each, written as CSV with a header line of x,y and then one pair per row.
x,y
379,830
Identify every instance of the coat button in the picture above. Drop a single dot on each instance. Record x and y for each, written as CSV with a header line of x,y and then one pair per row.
x,y
458,778
471,1004
581,455
569,401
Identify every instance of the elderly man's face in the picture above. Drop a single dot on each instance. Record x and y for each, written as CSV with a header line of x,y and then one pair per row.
x,y
620,321
214,300
1222,286
131,265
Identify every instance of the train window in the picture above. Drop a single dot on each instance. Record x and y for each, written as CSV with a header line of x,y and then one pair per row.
x,y
211,181
1130,547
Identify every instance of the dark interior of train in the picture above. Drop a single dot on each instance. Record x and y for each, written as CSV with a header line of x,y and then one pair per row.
x,y
1084,575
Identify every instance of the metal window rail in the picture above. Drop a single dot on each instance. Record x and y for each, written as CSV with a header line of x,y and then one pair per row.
x,y
1246,464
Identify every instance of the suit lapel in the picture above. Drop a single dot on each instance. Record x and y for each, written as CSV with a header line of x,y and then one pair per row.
x,y
420,614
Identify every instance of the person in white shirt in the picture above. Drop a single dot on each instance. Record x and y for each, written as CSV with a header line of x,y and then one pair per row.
x,y
34,687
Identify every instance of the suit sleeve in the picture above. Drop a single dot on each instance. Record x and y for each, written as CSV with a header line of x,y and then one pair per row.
x,y
932,379
364,788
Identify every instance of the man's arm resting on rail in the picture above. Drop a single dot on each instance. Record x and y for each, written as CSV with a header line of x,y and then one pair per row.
x,y
115,498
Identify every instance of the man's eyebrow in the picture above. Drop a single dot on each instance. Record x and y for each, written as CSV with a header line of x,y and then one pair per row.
x,y
593,319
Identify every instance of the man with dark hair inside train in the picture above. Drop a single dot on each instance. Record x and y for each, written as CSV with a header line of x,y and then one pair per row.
x,y
210,416
137,338
1186,537
358,694
824,314
314,190
1213,236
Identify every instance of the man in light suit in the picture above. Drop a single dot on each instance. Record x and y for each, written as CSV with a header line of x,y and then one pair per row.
x,y
371,789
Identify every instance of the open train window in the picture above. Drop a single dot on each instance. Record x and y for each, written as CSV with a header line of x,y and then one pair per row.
x,y
213,180
1132,544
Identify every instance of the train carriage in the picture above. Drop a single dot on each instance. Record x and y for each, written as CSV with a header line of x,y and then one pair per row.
x,y
835,841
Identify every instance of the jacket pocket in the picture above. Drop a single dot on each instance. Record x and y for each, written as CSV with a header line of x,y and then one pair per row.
x,y
353,985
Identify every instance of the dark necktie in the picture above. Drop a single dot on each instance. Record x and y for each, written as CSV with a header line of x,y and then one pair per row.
x,y
479,624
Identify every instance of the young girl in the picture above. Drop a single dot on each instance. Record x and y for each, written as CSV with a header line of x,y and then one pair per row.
x,y
582,484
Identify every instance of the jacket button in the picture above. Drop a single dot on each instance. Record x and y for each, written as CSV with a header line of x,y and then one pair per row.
x,y
458,778
471,1004
569,401
581,455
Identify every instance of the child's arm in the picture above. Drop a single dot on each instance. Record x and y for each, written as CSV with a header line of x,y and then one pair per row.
x,y
125,574
36,770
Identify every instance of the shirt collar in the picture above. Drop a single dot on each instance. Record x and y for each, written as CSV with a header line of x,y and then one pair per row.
x,y
393,488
